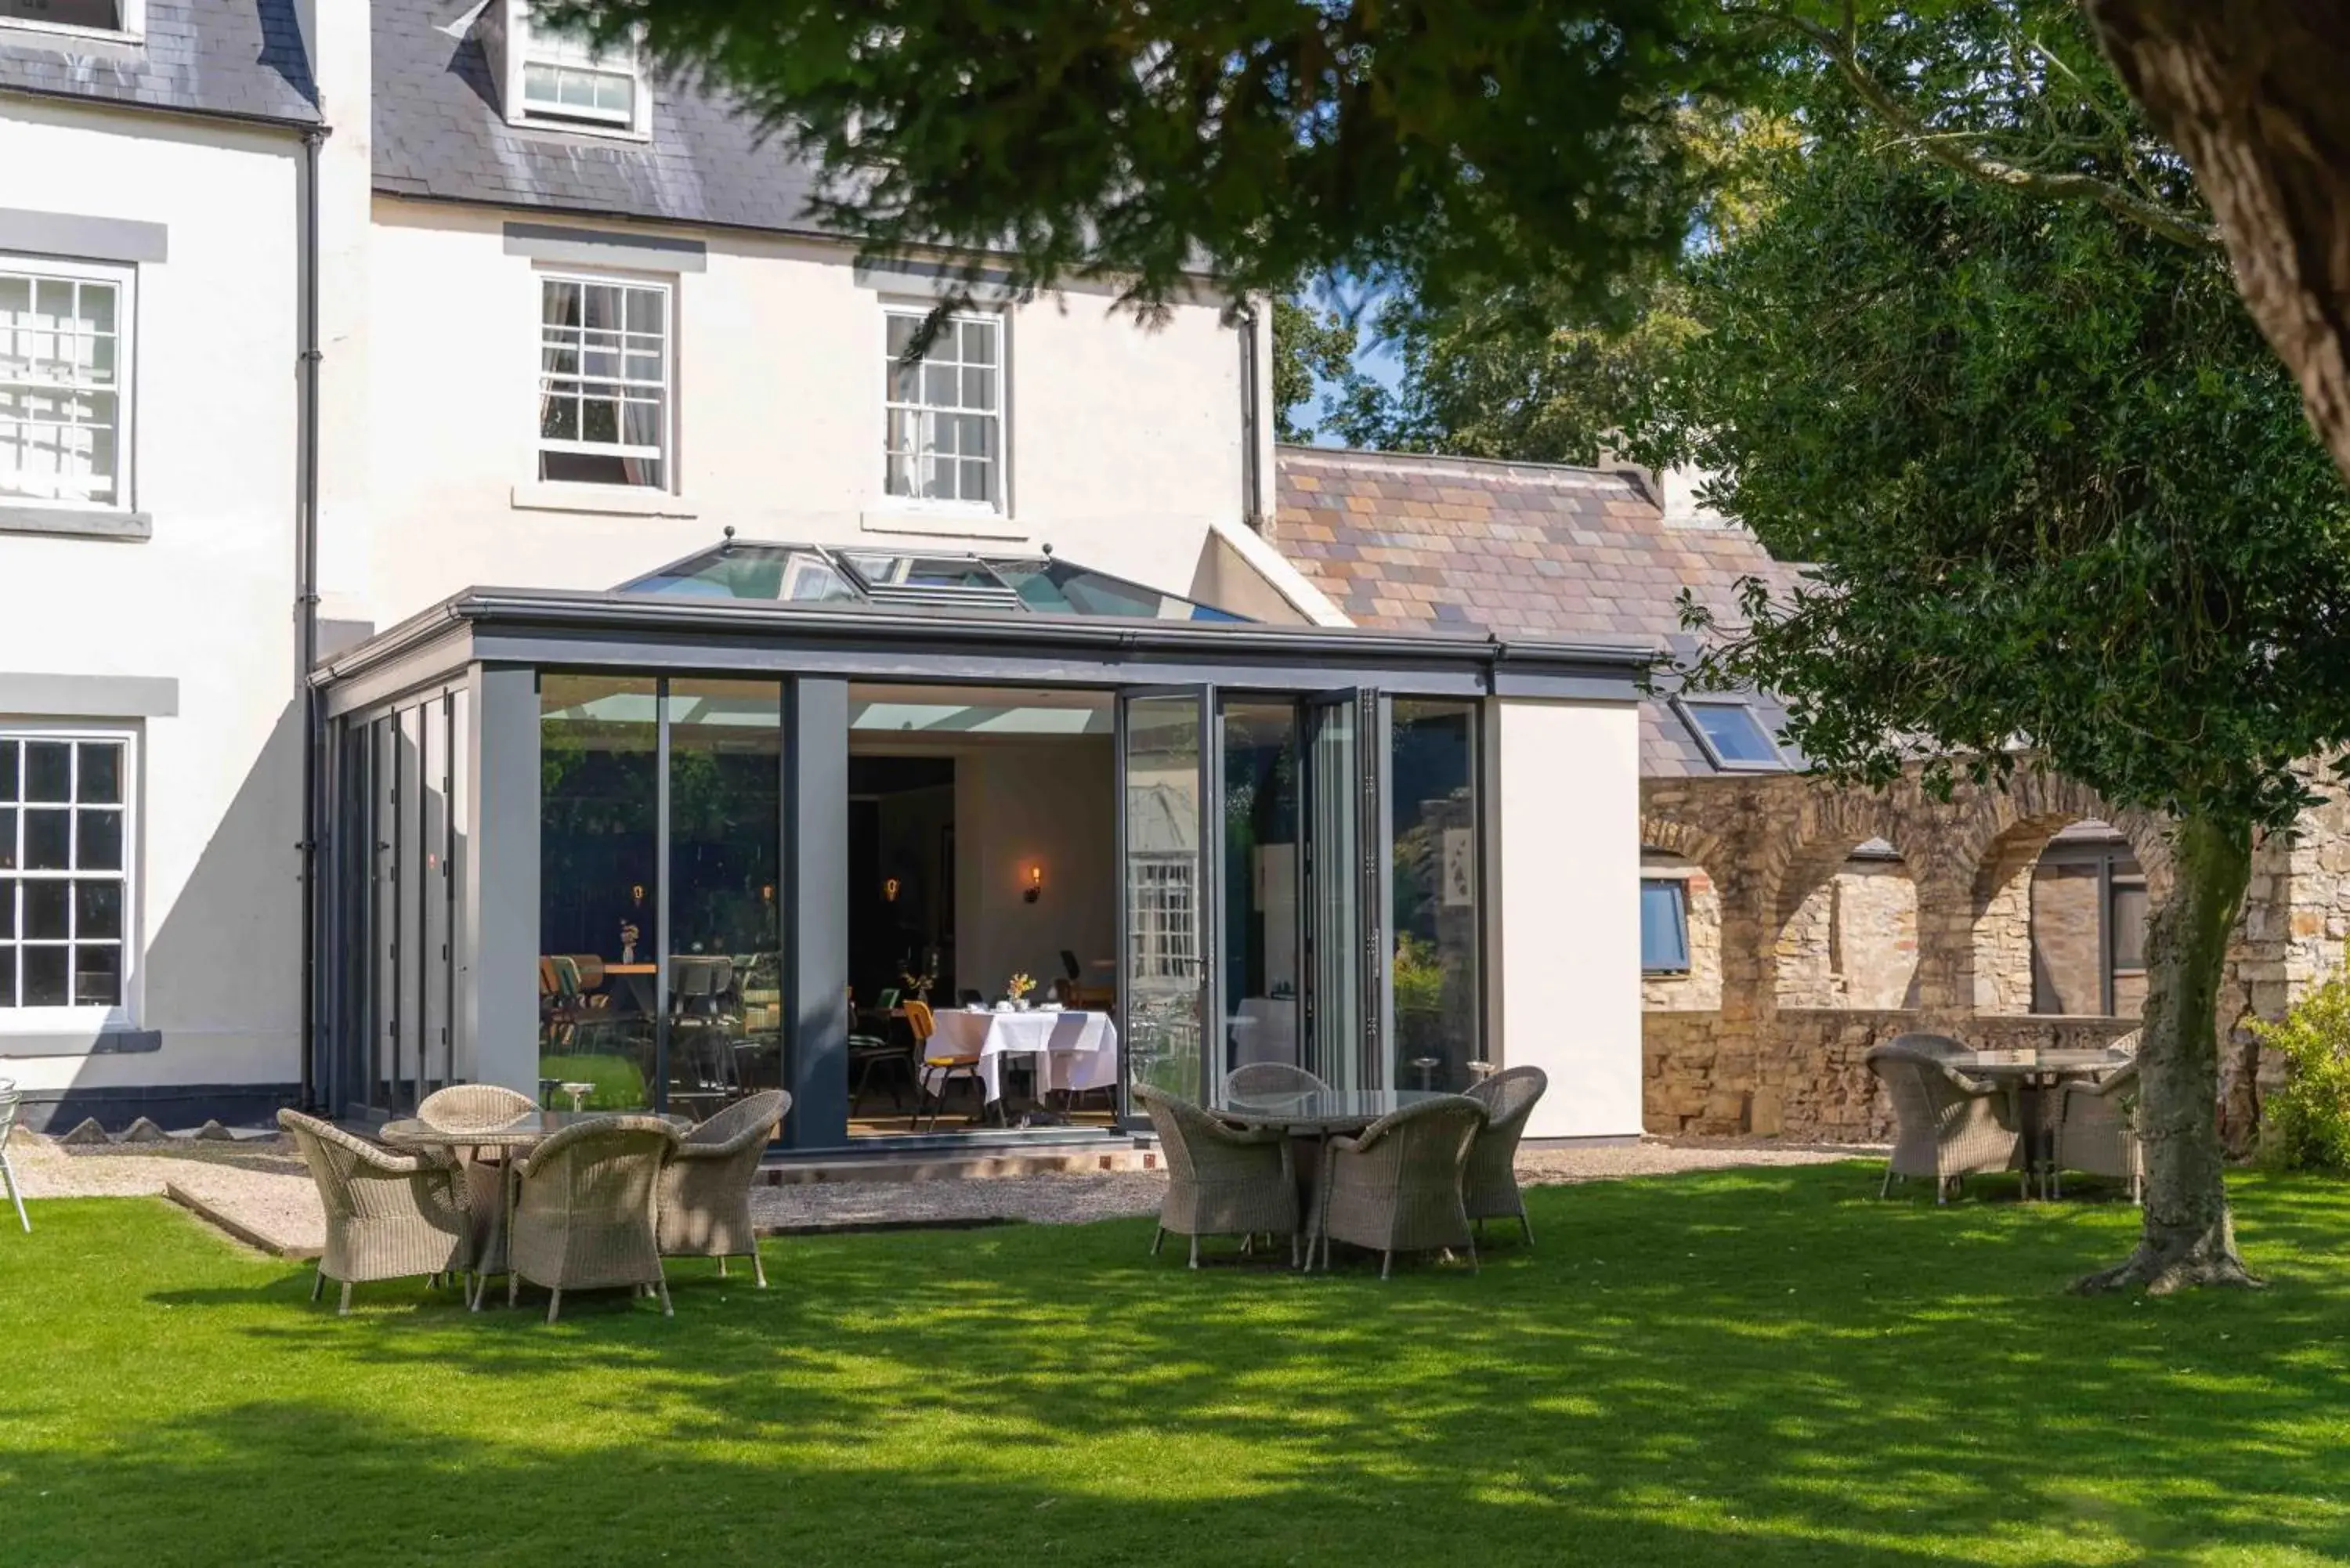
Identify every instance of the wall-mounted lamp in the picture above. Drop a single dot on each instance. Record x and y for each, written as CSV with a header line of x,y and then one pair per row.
x,y
766,892
890,889
1036,887
636,893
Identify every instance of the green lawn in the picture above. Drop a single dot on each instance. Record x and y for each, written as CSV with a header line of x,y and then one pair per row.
x,y
1754,1368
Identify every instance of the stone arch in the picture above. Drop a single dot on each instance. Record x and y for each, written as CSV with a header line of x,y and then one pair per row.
x,y
1998,844
1686,840
1675,852
1843,904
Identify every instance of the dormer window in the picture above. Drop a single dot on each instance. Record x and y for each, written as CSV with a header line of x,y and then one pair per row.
x,y
117,16
561,79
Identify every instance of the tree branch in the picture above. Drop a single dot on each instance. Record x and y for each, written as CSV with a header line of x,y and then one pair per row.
x,y
1839,47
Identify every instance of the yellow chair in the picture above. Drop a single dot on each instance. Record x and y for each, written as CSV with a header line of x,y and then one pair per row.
x,y
937,1073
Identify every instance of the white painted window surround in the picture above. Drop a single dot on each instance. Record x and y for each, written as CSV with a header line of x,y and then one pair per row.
x,y
557,80
68,836
942,434
106,19
65,383
605,391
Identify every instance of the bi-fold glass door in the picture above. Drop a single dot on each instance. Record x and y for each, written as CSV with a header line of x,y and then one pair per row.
x,y
1253,852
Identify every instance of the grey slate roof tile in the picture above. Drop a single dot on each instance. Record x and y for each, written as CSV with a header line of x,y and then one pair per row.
x,y
1405,542
439,132
242,57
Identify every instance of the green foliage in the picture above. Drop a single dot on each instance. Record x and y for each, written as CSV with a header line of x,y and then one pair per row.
x,y
2055,486
2305,1126
1310,344
620,1082
1261,142
1419,977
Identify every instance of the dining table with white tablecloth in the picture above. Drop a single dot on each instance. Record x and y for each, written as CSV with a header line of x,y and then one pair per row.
x,y
1076,1050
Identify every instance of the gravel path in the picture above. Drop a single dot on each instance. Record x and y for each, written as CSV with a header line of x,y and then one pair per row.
x,y
261,1185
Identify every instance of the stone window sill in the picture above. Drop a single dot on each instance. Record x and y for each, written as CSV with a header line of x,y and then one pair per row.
x,y
82,1043
607,500
75,522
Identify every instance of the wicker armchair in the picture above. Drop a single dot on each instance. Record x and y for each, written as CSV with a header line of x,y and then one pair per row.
x,y
1489,1183
581,1209
389,1215
8,1172
1270,1080
704,1209
2096,1130
1397,1188
473,1107
1950,1126
1221,1180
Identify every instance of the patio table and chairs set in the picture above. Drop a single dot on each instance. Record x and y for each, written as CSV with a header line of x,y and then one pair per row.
x,y
1284,1154
1962,1113
482,1182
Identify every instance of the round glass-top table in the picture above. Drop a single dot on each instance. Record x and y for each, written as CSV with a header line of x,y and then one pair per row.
x,y
1324,1111
526,1131
2035,1078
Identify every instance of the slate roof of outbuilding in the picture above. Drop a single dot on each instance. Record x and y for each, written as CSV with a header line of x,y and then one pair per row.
x,y
1408,542
439,132
240,57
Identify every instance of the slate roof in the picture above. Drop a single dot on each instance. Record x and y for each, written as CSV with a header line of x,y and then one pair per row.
x,y
1411,543
240,57
439,132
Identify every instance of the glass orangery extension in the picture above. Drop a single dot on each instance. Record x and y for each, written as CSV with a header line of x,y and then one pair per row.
x,y
776,815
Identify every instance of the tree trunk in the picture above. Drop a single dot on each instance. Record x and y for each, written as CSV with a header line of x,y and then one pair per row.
x,y
2256,94
2190,1237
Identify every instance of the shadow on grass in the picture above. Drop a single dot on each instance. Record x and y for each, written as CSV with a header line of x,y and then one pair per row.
x,y
1758,1367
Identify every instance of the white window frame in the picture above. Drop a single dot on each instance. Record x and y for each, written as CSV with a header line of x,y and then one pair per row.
x,y
526,45
124,1014
133,28
1000,504
125,281
667,452
1163,947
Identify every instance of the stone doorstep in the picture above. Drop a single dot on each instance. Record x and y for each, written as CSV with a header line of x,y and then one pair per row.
x,y
220,1218
930,1165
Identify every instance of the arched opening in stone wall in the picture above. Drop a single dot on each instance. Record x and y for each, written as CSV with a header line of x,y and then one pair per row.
x,y
1681,934
2060,921
1848,930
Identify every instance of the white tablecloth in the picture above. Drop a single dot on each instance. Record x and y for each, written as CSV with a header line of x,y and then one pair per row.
x,y
1079,1049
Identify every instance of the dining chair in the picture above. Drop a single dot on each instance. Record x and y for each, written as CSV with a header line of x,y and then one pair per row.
x,y
1489,1183
1396,1188
1264,1080
473,1107
2096,1130
389,1215
1949,1126
1221,1180
9,1101
934,1075
704,1207
580,1213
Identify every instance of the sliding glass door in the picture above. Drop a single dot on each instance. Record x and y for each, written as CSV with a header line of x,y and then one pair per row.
x,y
1346,1011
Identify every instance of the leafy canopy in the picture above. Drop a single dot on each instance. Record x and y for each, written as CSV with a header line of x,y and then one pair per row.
x,y
1257,141
2058,489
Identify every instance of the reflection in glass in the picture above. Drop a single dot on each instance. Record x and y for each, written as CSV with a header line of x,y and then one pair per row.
x,y
726,872
1162,985
598,844
1437,899
1261,924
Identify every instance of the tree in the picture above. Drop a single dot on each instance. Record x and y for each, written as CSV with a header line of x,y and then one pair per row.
x,y
2060,497
1311,345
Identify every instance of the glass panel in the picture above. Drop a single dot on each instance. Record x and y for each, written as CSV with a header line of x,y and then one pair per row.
x,y
1259,930
921,571
48,840
1058,586
7,839
1437,910
98,910
1735,735
431,861
100,779
101,846
725,876
45,977
1664,926
48,912
750,572
48,770
416,958
9,755
383,914
598,844
1335,895
8,911
1164,981
2130,925
98,975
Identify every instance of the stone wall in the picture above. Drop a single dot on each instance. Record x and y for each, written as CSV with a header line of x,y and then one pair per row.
x,y
1779,1052
2067,946
1700,989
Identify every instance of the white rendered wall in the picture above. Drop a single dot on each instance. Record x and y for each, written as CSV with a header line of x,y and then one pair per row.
x,y
1054,804
1563,898
207,600
1125,443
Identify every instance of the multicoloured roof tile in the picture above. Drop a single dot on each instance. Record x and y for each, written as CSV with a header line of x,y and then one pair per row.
x,y
1410,542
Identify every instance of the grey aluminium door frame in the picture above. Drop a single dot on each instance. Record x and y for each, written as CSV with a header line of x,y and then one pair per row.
x,y
1206,897
1369,873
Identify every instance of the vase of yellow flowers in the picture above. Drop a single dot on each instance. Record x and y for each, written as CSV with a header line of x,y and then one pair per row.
x,y
1017,988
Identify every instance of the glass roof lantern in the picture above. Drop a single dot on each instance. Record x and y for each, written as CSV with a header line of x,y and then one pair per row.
x,y
812,573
